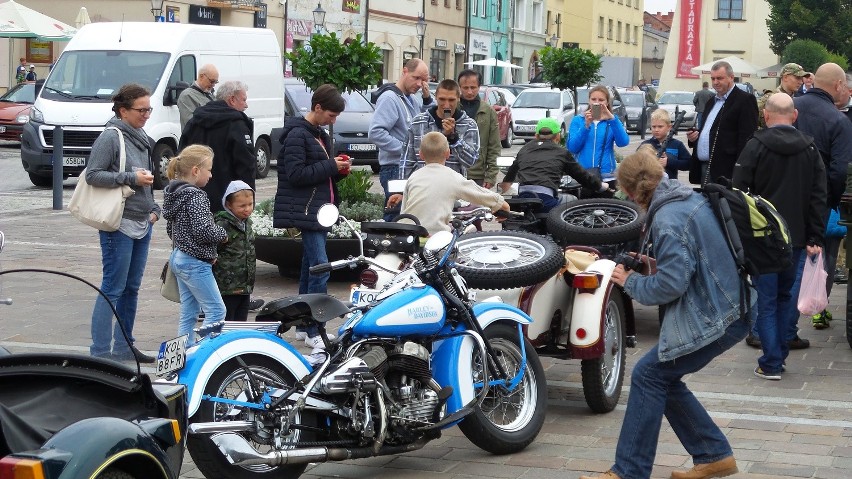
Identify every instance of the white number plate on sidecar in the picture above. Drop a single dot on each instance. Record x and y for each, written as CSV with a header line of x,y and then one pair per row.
x,y
172,356
363,296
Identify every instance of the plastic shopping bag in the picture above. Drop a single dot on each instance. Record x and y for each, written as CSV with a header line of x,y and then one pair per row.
x,y
813,297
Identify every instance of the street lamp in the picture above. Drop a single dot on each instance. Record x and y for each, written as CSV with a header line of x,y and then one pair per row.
x,y
554,40
319,17
421,32
156,8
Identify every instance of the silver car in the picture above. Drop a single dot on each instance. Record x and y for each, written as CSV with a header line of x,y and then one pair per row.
x,y
681,100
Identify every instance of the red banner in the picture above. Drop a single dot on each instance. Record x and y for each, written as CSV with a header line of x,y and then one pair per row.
x,y
690,47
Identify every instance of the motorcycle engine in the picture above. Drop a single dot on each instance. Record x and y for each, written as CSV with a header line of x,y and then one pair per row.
x,y
405,370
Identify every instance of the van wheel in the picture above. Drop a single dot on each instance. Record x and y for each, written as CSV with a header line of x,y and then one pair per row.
x,y
264,153
163,152
43,181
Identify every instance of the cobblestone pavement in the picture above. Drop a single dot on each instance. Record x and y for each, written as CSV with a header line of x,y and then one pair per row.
x,y
800,426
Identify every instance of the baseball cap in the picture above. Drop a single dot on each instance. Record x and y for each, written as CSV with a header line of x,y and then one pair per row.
x,y
793,69
549,123
32,66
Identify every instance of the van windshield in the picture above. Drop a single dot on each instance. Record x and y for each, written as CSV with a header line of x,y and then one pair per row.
x,y
97,75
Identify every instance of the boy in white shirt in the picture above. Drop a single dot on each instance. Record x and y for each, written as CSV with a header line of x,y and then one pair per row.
x,y
431,192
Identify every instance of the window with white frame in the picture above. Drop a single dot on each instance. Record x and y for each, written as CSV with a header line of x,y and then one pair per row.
x,y
618,32
609,29
473,6
626,33
730,9
537,14
635,34
520,14
600,27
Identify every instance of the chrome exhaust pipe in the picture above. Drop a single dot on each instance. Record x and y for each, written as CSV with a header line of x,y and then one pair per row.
x,y
217,427
239,452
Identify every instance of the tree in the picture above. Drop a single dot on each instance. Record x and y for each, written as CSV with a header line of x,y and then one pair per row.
x,y
825,21
349,66
810,55
570,68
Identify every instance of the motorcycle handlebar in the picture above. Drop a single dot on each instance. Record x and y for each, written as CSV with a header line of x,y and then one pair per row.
x,y
320,268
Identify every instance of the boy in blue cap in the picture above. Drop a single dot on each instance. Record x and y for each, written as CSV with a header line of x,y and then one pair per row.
x,y
540,165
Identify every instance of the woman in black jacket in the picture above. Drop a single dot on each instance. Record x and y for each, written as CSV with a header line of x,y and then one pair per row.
x,y
307,177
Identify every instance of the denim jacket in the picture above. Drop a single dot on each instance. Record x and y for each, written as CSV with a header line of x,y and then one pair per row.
x,y
696,276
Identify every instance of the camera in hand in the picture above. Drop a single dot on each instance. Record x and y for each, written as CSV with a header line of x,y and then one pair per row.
x,y
630,262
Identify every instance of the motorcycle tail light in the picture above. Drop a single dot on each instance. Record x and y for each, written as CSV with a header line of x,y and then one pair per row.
x,y
19,468
580,333
369,278
587,281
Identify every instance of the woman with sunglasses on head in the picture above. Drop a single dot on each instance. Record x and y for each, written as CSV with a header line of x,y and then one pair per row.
x,y
124,252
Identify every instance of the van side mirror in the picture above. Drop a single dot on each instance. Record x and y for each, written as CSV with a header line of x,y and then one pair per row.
x,y
173,92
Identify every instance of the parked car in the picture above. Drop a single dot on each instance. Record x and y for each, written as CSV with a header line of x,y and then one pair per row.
x,y
510,97
515,88
351,128
15,107
618,108
682,100
638,111
533,104
498,101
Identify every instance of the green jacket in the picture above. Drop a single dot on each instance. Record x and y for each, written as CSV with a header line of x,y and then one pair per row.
x,y
234,269
489,145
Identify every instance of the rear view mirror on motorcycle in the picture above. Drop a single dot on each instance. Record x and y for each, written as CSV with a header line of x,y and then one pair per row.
x,y
396,186
505,161
328,215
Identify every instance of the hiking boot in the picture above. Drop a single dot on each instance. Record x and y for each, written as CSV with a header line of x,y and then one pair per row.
x,y
721,468
821,319
798,343
606,475
753,341
761,374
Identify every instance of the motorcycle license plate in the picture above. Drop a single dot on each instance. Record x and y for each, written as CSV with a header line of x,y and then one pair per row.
x,y
363,296
172,356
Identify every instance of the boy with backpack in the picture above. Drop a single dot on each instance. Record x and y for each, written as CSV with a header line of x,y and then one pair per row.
x,y
782,165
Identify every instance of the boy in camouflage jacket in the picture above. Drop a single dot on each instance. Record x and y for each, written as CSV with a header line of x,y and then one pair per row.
x,y
235,268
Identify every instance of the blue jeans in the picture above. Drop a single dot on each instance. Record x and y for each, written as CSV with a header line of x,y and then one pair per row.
x,y
387,173
547,202
777,312
198,292
657,389
313,253
123,259
792,328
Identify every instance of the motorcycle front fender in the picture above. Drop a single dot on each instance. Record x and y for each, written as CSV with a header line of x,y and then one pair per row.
x,y
588,313
88,447
451,357
205,357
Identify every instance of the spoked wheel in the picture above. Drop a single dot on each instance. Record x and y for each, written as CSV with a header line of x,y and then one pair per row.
x,y
230,382
507,259
507,421
603,377
595,221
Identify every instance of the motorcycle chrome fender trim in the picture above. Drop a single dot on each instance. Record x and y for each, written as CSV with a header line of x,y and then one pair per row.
x,y
418,310
589,308
101,442
205,357
488,312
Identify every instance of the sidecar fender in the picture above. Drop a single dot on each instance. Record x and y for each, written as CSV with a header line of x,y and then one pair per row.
x,y
588,313
451,357
205,357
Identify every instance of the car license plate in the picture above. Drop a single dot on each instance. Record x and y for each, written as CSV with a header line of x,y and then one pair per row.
x,y
526,127
362,147
74,161
172,356
363,296
2,129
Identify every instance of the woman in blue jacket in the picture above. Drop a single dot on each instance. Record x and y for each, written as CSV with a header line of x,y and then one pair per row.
x,y
591,141
307,179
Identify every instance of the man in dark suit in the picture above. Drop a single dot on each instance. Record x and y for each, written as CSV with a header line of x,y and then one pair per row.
x,y
730,118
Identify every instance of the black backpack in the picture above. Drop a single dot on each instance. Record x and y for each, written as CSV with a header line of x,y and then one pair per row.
x,y
756,233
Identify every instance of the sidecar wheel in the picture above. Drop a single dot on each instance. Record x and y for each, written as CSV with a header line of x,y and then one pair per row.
x,y
603,377
508,421
113,473
228,382
595,221
507,259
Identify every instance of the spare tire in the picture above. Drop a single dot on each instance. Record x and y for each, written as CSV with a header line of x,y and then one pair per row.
x,y
595,221
507,259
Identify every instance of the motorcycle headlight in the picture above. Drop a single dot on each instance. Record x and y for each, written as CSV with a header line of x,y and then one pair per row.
x,y
36,115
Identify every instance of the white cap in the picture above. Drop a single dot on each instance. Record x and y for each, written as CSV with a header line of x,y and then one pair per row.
x,y
32,66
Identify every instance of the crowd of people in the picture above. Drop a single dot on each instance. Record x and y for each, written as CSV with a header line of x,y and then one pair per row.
x,y
792,147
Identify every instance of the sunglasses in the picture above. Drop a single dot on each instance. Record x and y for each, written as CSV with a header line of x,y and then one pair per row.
x,y
143,110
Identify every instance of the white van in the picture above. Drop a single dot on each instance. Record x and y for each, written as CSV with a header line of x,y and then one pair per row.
x,y
165,57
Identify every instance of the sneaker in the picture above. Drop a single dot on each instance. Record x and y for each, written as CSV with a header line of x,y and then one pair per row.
x,y
753,341
759,373
820,320
255,304
129,356
841,275
798,343
301,335
315,342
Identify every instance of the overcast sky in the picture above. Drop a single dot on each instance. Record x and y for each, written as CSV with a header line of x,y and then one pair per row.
x,y
662,6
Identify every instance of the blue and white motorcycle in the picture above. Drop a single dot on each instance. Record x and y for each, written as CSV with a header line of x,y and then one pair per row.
x,y
421,358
